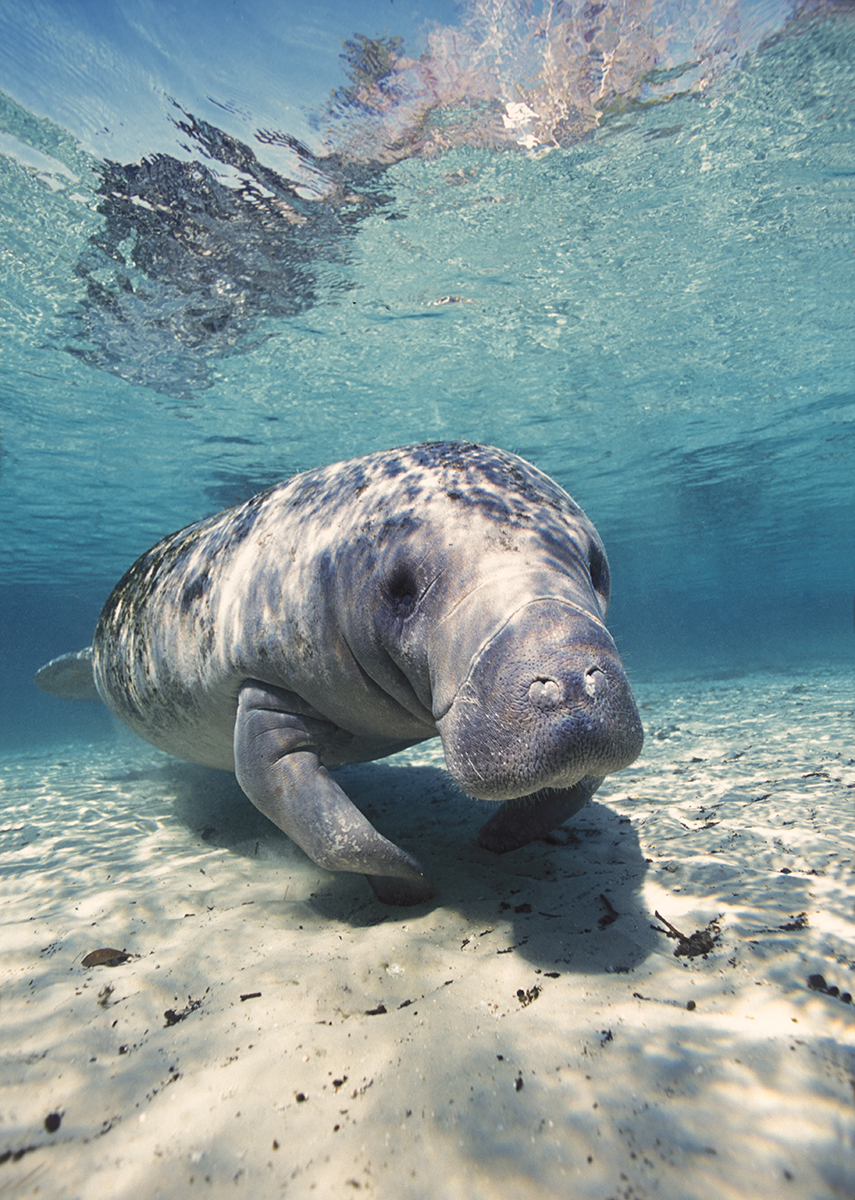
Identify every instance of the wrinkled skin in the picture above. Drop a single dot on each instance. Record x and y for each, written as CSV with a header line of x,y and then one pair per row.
x,y
445,589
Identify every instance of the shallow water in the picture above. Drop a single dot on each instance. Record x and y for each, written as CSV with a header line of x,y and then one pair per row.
x,y
615,239
655,305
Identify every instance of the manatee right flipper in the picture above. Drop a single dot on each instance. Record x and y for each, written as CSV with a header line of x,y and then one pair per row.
x,y
519,822
277,766
69,677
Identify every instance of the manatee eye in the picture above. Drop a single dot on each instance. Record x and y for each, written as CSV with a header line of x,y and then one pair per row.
x,y
403,589
599,570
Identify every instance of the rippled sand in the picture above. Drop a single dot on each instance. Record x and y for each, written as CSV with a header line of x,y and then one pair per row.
x,y
276,1031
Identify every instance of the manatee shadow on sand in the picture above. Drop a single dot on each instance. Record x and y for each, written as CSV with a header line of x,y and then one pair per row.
x,y
571,901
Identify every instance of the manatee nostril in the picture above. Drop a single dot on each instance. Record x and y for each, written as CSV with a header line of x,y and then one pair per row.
x,y
591,681
545,692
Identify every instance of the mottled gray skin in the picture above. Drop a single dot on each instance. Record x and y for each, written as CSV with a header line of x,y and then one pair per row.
x,y
444,589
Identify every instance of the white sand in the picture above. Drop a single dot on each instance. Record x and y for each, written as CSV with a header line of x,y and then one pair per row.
x,y
530,1046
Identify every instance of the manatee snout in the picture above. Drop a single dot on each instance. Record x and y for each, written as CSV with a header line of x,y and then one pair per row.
x,y
545,703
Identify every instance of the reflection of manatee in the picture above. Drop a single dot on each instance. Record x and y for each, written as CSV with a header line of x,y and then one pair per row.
x,y
185,266
193,256
446,589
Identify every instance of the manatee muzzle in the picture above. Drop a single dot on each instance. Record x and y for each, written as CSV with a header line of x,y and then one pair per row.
x,y
545,702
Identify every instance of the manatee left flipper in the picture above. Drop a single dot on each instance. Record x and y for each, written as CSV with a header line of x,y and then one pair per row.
x,y
519,822
277,766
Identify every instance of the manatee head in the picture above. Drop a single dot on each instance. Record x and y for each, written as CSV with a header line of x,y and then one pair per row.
x,y
479,604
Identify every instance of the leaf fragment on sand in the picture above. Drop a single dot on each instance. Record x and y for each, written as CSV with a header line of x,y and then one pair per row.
x,y
105,957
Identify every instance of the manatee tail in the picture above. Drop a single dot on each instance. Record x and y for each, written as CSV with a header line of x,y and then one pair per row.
x,y
70,677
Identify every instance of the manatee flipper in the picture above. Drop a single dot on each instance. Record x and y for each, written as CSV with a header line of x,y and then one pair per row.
x,y
277,766
69,677
519,822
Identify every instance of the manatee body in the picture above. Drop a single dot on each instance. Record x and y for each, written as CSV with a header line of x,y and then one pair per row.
x,y
445,589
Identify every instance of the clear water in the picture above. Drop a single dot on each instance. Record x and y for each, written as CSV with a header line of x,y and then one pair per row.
x,y
616,239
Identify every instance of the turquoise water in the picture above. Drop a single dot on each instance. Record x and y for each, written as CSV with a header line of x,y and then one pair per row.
x,y
617,240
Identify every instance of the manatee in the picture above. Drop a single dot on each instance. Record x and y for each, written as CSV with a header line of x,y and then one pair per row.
x,y
445,589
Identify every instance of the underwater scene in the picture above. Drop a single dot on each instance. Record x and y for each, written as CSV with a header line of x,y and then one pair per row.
x,y
242,243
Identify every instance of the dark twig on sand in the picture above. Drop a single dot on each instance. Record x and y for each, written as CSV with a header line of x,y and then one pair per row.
x,y
702,941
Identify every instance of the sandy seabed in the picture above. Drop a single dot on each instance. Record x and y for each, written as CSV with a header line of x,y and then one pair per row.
x,y
537,1031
